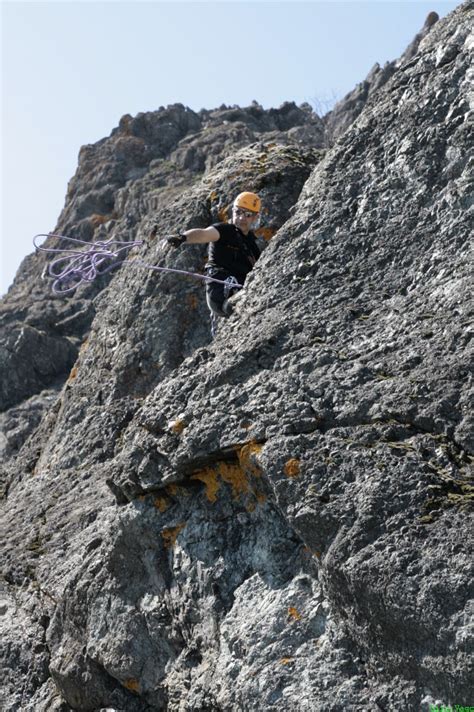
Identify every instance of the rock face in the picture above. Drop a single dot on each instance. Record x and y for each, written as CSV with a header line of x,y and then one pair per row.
x,y
277,519
348,109
122,183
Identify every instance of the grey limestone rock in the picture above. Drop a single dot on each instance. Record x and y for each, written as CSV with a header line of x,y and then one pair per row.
x,y
346,111
281,518
147,162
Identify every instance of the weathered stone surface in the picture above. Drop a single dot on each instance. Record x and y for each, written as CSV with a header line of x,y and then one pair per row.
x,y
348,109
140,339
31,359
277,519
18,423
146,163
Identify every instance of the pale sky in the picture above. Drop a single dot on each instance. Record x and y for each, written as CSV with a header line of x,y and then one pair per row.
x,y
71,69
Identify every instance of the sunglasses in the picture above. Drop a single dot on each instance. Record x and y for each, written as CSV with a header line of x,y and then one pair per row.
x,y
244,213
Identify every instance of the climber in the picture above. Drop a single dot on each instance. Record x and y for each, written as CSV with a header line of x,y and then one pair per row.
x,y
232,250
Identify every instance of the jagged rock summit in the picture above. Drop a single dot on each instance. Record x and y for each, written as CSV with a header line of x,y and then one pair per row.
x,y
122,185
277,519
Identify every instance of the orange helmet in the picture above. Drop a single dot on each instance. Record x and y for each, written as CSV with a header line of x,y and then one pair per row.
x,y
248,201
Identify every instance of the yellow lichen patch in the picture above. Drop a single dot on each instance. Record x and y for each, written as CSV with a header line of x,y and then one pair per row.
x,y
73,373
292,467
234,476
285,661
132,685
161,503
213,195
265,232
177,426
223,214
171,534
209,477
177,491
247,454
293,613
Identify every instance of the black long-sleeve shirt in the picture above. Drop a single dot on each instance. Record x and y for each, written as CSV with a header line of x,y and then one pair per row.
x,y
233,252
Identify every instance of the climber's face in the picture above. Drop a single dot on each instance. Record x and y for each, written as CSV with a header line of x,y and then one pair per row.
x,y
243,219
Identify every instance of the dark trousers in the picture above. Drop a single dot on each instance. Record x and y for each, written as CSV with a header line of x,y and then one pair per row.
x,y
217,294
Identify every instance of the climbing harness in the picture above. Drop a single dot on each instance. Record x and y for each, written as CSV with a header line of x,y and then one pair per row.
x,y
230,284
78,266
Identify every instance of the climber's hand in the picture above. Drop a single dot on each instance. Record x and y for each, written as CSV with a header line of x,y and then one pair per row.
x,y
175,240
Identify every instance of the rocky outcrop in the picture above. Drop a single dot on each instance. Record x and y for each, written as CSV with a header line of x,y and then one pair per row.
x,y
277,519
346,111
121,181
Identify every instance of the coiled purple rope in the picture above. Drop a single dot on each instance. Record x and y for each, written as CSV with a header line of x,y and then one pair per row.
x,y
77,266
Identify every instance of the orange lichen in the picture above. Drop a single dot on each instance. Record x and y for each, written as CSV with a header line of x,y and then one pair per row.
x,y
285,661
213,195
171,534
161,503
209,477
292,467
266,232
247,454
235,476
132,685
73,373
293,613
176,491
177,426
97,219
223,214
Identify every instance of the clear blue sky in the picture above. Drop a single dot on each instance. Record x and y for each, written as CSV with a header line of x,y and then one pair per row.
x,y
70,70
